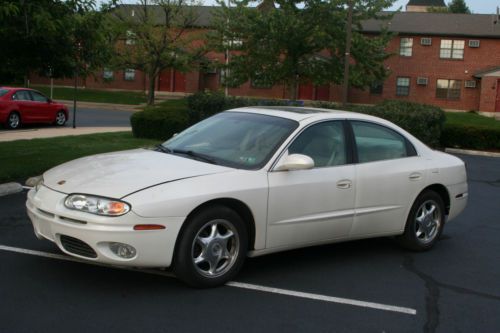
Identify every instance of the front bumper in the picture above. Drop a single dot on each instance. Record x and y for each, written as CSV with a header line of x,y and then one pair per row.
x,y
51,220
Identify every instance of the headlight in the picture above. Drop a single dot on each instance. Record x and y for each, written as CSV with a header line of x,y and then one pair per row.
x,y
96,205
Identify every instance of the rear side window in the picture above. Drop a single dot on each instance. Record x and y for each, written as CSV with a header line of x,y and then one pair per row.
x,y
37,97
376,142
22,95
3,92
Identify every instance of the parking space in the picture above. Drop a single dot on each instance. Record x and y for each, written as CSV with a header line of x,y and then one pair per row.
x,y
362,286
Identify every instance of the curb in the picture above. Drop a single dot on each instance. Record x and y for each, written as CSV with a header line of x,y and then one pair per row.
x,y
10,188
471,152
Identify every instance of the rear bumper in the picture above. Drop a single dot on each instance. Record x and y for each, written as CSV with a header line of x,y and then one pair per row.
x,y
51,220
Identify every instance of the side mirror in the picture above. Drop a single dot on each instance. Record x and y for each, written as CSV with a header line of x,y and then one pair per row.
x,y
295,162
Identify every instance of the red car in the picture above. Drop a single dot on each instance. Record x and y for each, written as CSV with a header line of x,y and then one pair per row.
x,y
26,106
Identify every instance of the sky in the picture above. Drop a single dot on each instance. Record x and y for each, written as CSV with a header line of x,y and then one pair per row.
x,y
477,6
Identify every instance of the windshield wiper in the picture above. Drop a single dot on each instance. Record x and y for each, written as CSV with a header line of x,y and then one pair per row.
x,y
194,154
163,149
190,153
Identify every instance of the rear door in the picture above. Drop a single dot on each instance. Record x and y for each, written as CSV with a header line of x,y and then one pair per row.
x,y
22,99
389,175
315,205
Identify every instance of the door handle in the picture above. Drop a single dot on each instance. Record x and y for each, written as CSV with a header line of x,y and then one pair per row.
x,y
415,176
344,184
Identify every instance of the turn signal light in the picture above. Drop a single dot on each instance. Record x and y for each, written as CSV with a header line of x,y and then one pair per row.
x,y
148,227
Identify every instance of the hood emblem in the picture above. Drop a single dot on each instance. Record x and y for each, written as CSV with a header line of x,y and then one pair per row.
x,y
61,182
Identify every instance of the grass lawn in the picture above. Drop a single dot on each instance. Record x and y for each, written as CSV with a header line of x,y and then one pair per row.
x,y
25,158
98,96
471,119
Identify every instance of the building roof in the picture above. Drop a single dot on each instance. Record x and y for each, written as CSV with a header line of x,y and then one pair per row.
x,y
485,72
437,24
203,13
428,3
415,23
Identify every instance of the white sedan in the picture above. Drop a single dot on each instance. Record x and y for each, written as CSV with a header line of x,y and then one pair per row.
x,y
249,182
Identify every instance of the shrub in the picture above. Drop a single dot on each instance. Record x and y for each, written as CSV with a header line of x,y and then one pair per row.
x,y
470,137
423,121
159,123
205,104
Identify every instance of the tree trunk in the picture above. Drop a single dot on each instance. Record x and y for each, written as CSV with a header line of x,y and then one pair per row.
x,y
151,90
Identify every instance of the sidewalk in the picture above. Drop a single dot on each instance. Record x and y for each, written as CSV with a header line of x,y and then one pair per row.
x,y
102,106
38,133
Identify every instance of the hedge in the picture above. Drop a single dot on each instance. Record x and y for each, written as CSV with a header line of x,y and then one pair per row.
x,y
469,137
205,104
159,123
423,121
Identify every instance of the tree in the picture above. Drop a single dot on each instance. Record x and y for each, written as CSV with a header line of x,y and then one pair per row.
x,y
458,6
157,37
291,41
455,6
43,35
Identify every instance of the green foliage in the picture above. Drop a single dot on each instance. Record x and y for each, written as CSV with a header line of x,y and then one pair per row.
x,y
166,119
205,104
458,6
471,137
52,35
97,96
289,41
423,121
156,38
160,122
26,158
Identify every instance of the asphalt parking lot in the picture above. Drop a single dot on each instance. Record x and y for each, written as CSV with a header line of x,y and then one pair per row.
x,y
362,286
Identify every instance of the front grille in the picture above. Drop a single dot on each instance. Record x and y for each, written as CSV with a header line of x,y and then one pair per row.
x,y
77,247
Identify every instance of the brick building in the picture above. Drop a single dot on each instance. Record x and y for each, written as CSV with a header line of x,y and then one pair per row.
x,y
448,60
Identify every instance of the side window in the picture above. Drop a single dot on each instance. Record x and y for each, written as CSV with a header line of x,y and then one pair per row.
x,y
37,97
22,95
324,143
375,142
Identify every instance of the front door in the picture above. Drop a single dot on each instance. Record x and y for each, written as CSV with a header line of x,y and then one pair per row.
x,y
315,205
179,81
165,80
497,108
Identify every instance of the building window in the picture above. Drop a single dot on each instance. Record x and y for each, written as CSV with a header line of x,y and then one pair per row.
x,y
129,74
403,86
130,38
406,47
448,89
377,88
452,49
107,74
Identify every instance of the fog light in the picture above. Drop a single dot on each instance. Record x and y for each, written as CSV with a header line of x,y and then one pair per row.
x,y
123,250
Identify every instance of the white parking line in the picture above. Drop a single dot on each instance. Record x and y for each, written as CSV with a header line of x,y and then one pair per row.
x,y
317,297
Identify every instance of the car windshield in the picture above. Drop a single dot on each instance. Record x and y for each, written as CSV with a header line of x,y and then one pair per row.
x,y
234,139
3,91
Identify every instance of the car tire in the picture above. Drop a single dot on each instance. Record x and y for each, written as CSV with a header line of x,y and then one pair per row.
x,y
14,120
211,248
60,118
425,222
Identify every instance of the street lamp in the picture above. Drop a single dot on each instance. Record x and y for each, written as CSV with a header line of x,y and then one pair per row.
x,y
78,48
347,54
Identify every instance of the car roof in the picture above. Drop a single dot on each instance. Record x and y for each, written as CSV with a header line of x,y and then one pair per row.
x,y
15,88
297,113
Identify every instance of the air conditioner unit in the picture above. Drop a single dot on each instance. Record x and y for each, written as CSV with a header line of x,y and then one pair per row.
x,y
470,84
474,43
422,81
426,41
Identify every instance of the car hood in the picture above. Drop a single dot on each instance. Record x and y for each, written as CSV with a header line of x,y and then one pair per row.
x,y
116,175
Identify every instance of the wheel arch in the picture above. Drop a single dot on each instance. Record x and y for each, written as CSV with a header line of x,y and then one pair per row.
x,y
442,191
237,205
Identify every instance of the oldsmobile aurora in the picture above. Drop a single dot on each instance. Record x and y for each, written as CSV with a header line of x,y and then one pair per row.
x,y
248,182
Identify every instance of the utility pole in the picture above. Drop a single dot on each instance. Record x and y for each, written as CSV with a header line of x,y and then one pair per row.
x,y
348,29
226,88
